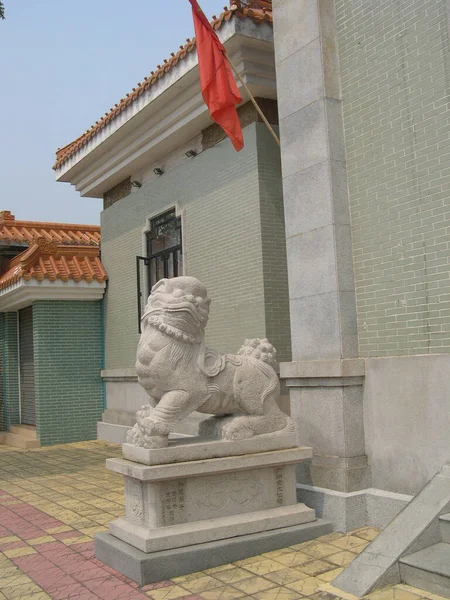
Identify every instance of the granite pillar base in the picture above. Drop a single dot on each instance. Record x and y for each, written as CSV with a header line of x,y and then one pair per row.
x,y
327,408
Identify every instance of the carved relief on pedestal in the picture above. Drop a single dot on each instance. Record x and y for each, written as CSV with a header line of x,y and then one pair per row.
x,y
237,489
279,485
134,501
173,502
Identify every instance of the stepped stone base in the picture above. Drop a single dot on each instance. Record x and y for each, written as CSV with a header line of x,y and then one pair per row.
x,y
148,568
428,569
212,492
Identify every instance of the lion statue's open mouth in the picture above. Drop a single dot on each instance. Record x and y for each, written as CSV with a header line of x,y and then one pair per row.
x,y
181,375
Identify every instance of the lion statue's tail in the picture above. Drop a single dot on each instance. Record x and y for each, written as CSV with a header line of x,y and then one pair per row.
x,y
261,350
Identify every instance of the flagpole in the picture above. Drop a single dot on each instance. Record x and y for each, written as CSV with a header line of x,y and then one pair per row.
x,y
260,112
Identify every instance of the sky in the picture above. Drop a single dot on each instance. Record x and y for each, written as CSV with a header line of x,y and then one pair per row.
x,y
64,63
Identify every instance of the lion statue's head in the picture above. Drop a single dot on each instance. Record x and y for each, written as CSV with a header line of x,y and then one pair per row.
x,y
179,306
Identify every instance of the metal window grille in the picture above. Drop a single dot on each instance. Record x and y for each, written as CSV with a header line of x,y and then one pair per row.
x,y
164,255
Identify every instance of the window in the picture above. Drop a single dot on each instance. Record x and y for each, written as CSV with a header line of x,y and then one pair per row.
x,y
164,248
164,255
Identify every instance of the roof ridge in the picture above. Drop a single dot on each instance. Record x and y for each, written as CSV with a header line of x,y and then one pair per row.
x,y
46,259
50,225
259,11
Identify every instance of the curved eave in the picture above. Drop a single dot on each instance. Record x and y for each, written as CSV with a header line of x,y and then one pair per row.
x,y
24,293
169,113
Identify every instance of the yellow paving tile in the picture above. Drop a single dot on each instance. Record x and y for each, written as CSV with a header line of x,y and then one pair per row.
x,y
201,584
305,587
93,530
230,576
320,550
19,552
316,567
329,537
341,559
253,585
328,576
293,559
247,561
60,529
77,540
27,590
18,578
346,542
360,548
417,592
41,540
219,569
264,566
286,576
190,577
276,553
330,589
366,533
223,593
168,593
9,538
394,594
281,593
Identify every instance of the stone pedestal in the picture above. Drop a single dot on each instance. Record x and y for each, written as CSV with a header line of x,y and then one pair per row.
x,y
204,500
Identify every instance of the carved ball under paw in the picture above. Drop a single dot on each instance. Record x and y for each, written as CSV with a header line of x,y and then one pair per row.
x,y
144,412
149,427
133,435
237,430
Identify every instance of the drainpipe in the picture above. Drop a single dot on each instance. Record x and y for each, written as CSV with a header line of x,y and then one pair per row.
x,y
18,367
102,333
5,412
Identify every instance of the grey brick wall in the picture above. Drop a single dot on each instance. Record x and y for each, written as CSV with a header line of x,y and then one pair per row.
x,y
218,193
395,85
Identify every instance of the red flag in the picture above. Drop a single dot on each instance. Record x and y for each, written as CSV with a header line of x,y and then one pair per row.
x,y
219,89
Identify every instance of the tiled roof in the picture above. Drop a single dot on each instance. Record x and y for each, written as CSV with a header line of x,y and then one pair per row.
x,y
260,11
49,260
23,232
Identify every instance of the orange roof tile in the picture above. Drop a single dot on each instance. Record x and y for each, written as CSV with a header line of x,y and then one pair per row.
x,y
24,232
46,259
259,11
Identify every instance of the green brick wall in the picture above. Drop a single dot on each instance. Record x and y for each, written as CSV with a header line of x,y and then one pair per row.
x,y
395,84
273,240
224,198
68,359
3,411
9,400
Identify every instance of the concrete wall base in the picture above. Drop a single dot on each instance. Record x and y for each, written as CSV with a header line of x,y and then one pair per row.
x,y
350,510
157,566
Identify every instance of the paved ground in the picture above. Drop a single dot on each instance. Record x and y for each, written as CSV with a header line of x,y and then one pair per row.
x,y
53,501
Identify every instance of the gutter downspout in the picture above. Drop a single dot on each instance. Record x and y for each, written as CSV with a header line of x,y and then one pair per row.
x,y
18,367
102,333
5,406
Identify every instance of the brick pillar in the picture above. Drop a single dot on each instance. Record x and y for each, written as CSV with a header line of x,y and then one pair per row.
x,y
326,377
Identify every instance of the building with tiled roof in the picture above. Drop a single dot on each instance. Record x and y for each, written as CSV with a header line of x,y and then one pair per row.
x,y
178,199
52,283
362,224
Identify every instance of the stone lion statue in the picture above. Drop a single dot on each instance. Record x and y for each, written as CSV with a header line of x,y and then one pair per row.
x,y
181,375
